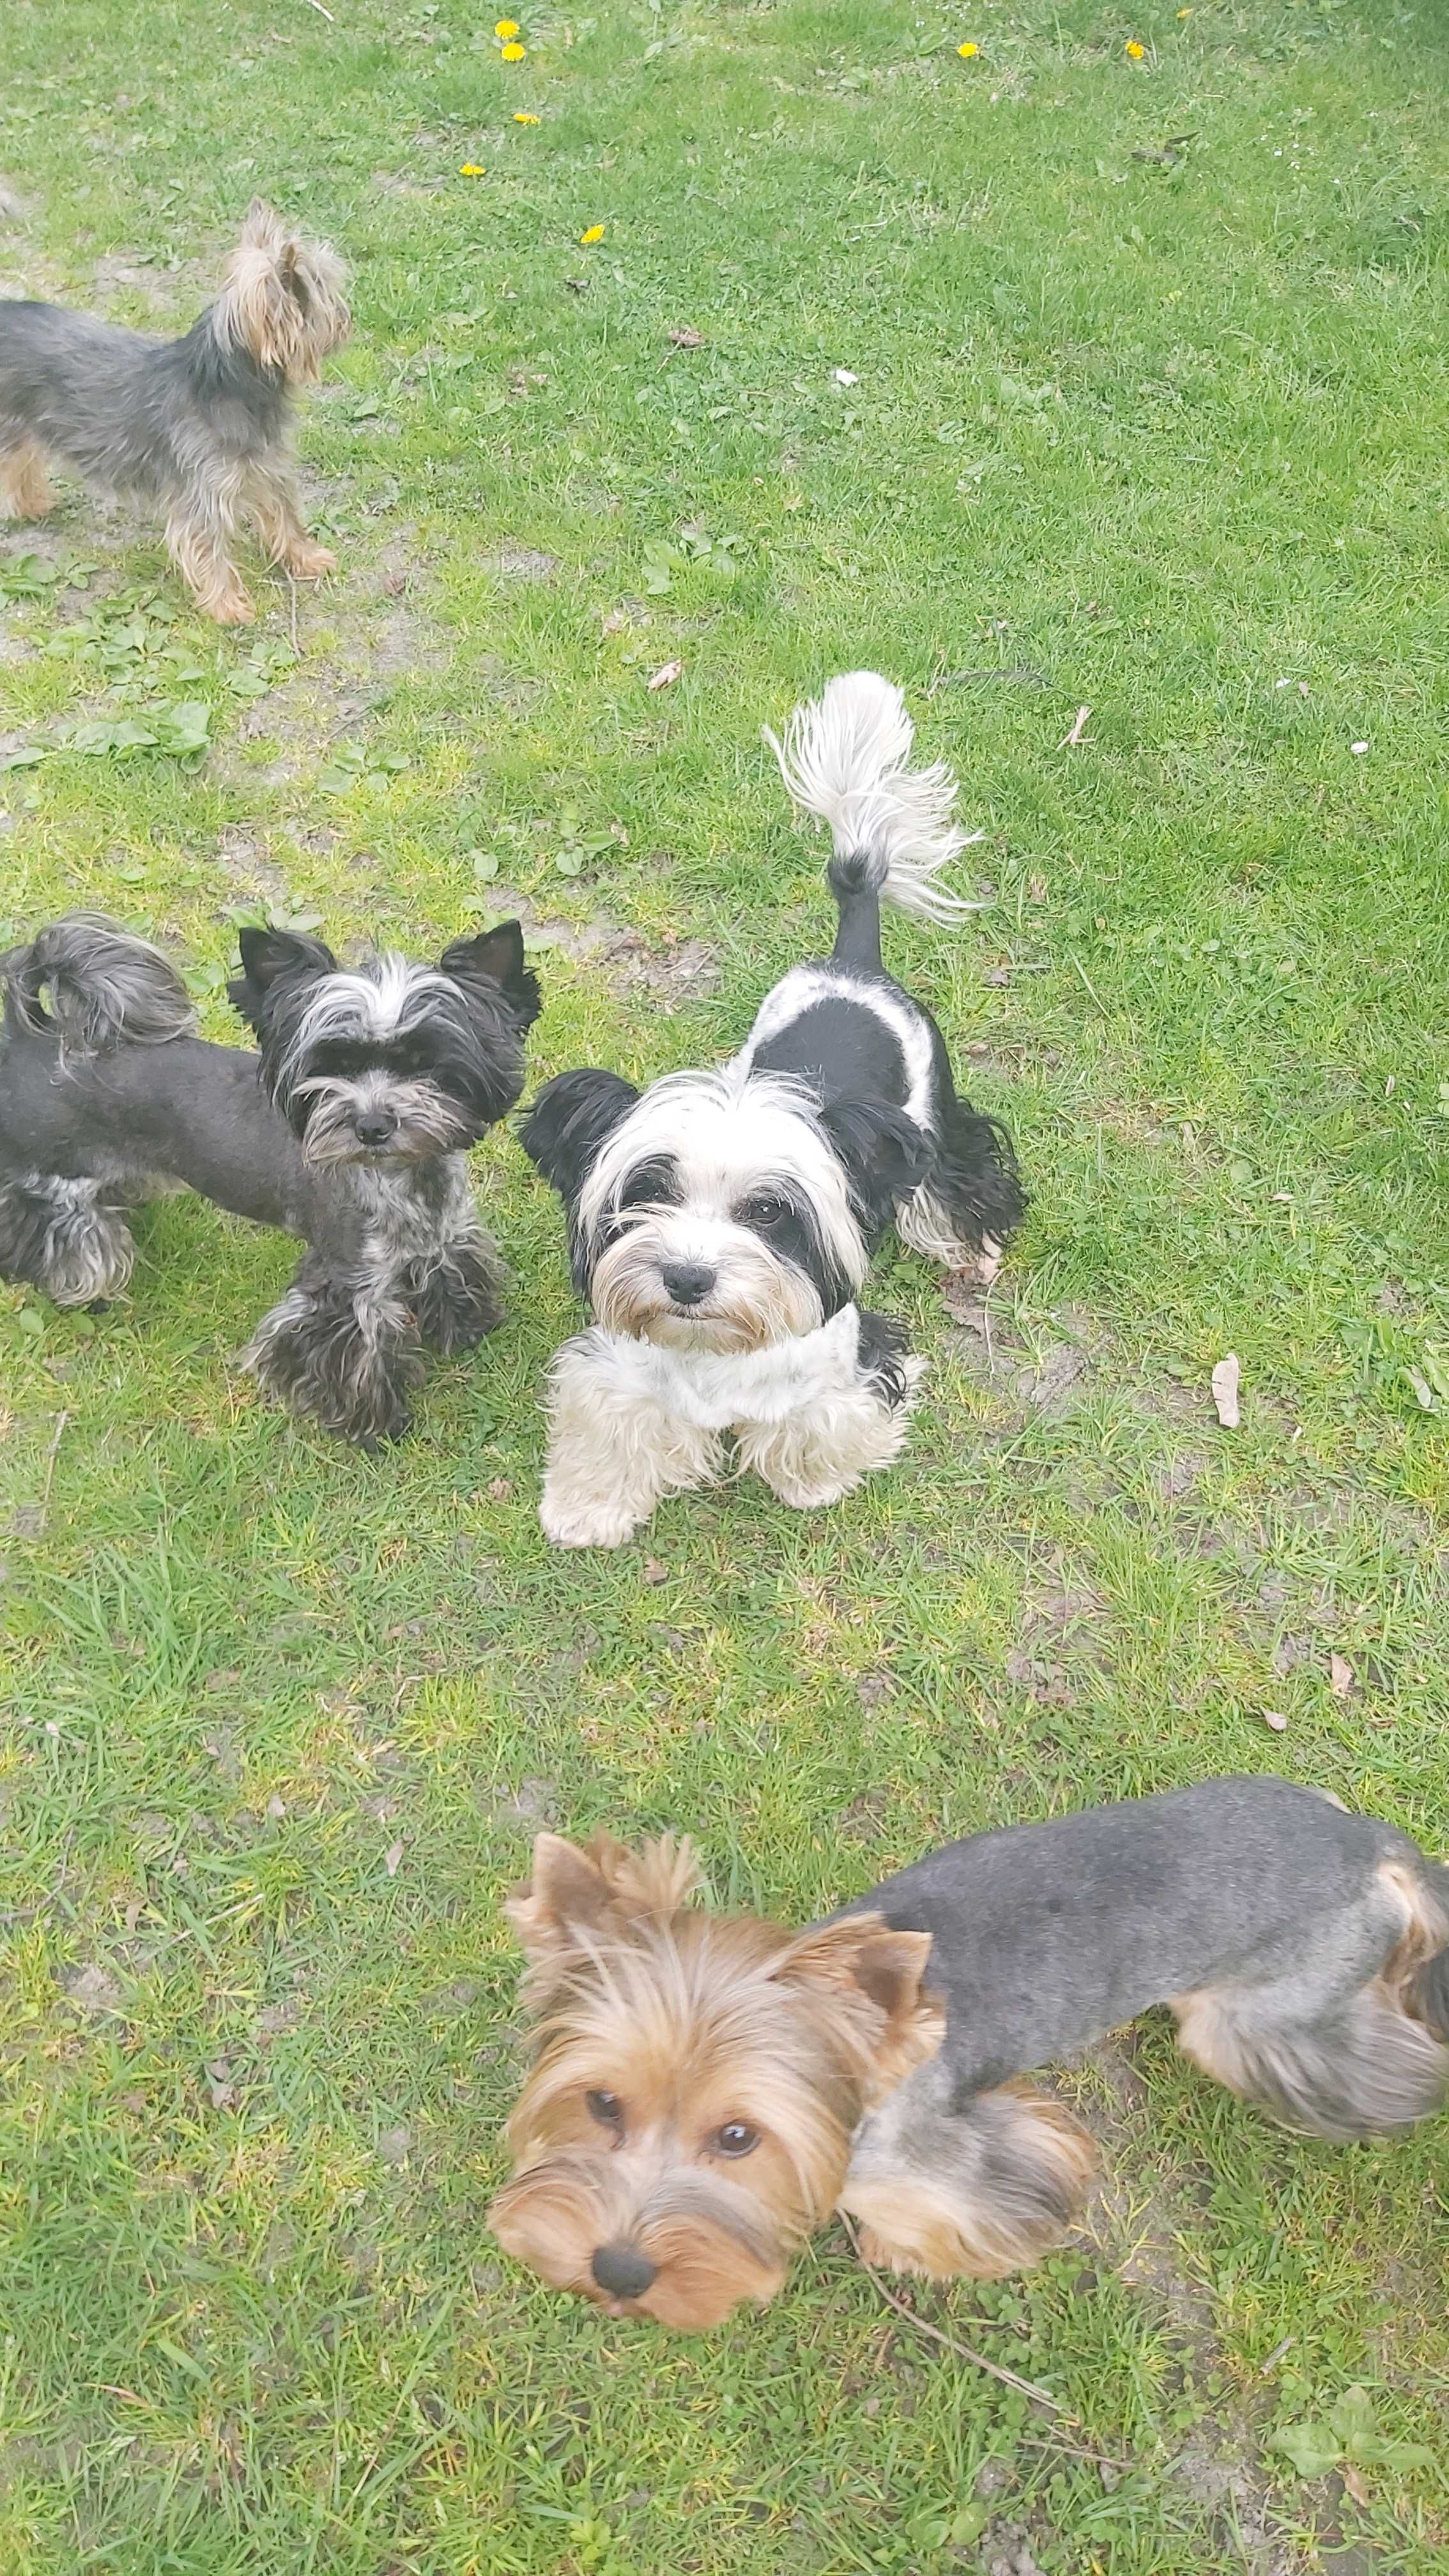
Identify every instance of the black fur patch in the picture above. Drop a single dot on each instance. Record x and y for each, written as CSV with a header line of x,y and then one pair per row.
x,y
881,1348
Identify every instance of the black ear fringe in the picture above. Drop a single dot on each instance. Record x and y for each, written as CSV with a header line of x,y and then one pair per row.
x,y
568,1122
498,955
266,956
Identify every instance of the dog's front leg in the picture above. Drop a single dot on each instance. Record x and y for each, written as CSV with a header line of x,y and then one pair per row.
x,y
850,1418
614,1449
271,497
456,1295
341,1350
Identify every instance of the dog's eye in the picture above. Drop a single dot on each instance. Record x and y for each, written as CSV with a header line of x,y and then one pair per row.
x,y
606,2108
765,1208
736,2138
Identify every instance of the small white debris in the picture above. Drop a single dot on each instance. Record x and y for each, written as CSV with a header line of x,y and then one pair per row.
x,y
665,677
391,1858
1275,1718
1358,747
1225,1391
1070,741
1340,1676
843,376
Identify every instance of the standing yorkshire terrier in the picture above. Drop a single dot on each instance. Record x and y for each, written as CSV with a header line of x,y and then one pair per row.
x,y
707,2088
199,425
722,1224
350,1128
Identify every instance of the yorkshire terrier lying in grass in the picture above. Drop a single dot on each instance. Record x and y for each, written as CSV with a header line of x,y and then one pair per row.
x,y
706,2088
198,425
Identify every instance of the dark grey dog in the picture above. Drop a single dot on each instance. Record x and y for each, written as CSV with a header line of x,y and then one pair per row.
x,y
199,425
349,1129
1301,1949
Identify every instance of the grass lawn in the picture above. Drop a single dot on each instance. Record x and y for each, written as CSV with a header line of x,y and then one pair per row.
x,y
1001,385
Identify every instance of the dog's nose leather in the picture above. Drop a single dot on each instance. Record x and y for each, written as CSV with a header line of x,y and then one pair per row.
x,y
376,1128
623,2271
687,1281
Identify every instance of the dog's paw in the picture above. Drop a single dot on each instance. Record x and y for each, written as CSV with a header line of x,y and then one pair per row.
x,y
230,608
883,2256
307,562
586,1525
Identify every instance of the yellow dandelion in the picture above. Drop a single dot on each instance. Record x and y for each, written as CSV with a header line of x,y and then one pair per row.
x,y
472,170
1184,13
968,52
1135,50
505,28
594,234
514,53
522,117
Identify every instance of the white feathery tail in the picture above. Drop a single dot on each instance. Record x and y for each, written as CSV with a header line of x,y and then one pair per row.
x,y
846,760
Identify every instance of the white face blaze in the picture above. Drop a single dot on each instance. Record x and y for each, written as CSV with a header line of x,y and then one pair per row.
x,y
726,1146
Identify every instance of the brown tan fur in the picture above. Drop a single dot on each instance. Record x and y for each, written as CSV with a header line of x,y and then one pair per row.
x,y
691,2024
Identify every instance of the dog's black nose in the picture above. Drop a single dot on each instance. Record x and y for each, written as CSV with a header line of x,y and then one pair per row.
x,y
375,1126
688,1282
623,2271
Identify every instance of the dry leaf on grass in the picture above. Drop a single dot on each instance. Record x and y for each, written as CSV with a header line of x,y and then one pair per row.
x,y
686,339
654,1572
391,1857
1225,1391
1340,1676
1275,1718
666,675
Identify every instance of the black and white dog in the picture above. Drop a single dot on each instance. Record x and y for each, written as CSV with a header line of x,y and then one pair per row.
x,y
722,1224
349,1129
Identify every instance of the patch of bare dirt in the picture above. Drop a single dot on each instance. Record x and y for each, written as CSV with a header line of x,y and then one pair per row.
x,y
510,562
246,867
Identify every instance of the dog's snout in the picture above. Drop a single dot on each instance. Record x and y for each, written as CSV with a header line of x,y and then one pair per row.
x,y
623,2271
688,1282
375,1126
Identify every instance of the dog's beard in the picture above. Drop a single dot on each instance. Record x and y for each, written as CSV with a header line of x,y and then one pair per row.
x,y
713,2243
756,1300
325,1112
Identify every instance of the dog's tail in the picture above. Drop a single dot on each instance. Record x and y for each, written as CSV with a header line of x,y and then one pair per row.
x,y
845,759
96,985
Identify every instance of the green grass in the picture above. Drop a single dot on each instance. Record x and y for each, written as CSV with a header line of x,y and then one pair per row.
x,y
1143,438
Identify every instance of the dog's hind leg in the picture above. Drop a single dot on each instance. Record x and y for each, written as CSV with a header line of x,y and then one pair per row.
x,y
60,1236
271,498
340,1351
985,2187
1339,2043
961,1214
200,533
25,487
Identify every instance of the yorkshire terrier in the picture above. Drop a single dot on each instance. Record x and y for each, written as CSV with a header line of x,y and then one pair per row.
x,y
722,1224
199,426
349,1128
706,2088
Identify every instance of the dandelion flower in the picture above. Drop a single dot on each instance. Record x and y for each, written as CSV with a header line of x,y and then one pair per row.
x,y
1135,50
506,28
522,117
967,52
514,53
472,170
594,234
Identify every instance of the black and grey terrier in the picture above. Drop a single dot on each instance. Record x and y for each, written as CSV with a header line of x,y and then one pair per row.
x,y
706,2088
349,1128
199,425
722,1224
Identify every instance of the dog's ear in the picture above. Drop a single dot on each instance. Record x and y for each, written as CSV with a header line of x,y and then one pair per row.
x,y
882,1153
497,957
569,1121
261,226
268,954
861,1957
578,1896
